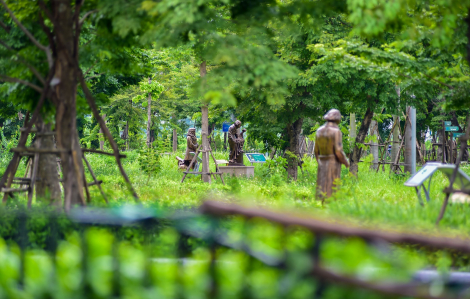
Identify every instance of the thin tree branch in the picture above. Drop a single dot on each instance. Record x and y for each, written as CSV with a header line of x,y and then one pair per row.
x,y
16,80
86,15
76,20
94,76
4,26
22,60
440,82
89,69
48,13
28,34
78,6
87,43
49,35
403,75
429,77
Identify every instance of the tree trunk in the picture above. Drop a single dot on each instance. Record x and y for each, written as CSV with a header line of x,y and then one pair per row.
x,y
352,129
361,136
152,136
455,122
395,138
464,143
127,139
466,154
408,132
47,184
294,130
211,139
125,132
66,114
374,144
303,145
102,135
205,132
440,148
175,140
149,117
311,148
273,152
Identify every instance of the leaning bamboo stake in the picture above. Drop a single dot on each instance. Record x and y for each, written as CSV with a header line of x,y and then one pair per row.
x,y
94,178
382,161
87,191
33,175
395,165
28,165
216,167
88,150
91,102
192,162
12,166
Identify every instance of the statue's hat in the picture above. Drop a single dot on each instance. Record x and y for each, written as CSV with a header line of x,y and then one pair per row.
x,y
333,115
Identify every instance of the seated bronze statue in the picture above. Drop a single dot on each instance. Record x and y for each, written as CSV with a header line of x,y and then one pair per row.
x,y
329,154
191,146
236,142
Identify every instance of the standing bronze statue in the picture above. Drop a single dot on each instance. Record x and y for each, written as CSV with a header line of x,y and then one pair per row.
x,y
191,141
236,142
329,154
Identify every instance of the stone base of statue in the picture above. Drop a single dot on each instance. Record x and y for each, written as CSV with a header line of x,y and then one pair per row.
x,y
238,170
235,164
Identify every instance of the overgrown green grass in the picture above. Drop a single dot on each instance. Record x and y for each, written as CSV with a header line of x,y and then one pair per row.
x,y
372,198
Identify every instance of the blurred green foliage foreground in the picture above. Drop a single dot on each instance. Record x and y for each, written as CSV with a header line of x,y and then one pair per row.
x,y
131,252
170,260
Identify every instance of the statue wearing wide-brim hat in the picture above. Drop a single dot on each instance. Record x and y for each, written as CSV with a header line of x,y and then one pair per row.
x,y
329,153
333,115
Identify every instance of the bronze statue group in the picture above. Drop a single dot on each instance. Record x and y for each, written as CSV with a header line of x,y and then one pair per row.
x,y
328,150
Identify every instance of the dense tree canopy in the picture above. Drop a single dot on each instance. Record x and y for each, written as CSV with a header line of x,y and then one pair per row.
x,y
151,66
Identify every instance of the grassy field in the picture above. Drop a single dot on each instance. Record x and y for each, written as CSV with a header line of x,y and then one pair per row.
x,y
371,199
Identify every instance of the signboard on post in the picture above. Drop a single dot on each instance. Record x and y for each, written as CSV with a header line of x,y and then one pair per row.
x,y
447,123
457,135
462,180
451,128
256,158
225,127
425,172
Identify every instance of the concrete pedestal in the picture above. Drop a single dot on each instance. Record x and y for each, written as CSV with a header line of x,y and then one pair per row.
x,y
248,171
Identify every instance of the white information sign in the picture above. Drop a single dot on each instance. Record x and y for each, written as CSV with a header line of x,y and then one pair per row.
x,y
423,174
462,180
